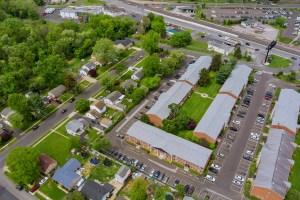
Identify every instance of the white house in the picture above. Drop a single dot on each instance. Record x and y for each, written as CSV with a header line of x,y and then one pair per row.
x,y
5,114
220,48
122,174
76,126
249,23
93,114
113,11
138,75
106,122
114,98
85,69
98,106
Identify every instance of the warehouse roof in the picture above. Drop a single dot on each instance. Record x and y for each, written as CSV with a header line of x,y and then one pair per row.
x,y
216,117
286,109
192,72
174,95
169,143
275,161
237,80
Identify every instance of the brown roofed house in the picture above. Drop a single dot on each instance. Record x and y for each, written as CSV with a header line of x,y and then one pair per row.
x,y
47,164
99,106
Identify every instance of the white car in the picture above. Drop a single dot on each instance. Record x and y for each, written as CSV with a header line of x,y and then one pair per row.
x,y
238,183
236,122
254,134
210,178
254,137
152,172
265,105
43,181
239,178
259,73
249,152
216,166
272,85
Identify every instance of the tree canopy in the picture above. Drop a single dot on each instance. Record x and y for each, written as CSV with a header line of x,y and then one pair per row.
x,y
150,42
101,144
139,190
82,105
105,51
23,162
216,62
181,39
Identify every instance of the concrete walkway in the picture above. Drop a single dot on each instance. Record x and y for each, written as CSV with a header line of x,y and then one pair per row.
x,y
204,95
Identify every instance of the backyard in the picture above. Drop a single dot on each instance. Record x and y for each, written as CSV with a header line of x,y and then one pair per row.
x,y
198,46
278,62
51,190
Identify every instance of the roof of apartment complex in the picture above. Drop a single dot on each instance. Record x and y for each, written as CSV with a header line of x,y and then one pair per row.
x,y
216,116
192,72
286,110
174,95
169,143
275,161
237,80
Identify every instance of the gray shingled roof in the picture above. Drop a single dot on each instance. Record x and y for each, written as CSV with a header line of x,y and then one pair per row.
x,y
171,144
124,42
127,83
77,124
123,171
59,90
174,95
95,191
139,73
286,109
90,65
6,112
275,160
217,116
192,72
115,95
237,80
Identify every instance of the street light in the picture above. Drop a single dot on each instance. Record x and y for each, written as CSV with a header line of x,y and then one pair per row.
x,y
271,45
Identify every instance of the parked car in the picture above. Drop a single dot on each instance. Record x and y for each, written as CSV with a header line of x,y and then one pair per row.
x,y
210,178
241,115
191,190
221,155
230,137
236,122
249,152
247,157
238,183
64,111
43,181
143,168
152,173
165,180
186,188
72,100
176,182
213,170
233,128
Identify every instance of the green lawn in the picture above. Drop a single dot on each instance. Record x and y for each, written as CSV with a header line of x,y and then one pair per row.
x,y
67,95
140,63
103,173
38,196
196,106
91,135
84,83
212,87
92,2
295,173
127,75
279,62
198,46
62,127
51,190
55,146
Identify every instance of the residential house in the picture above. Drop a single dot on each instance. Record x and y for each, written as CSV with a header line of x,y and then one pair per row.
x,y
99,106
168,147
122,174
66,175
47,164
220,47
123,44
94,191
77,126
97,62
114,98
105,122
249,23
75,12
4,135
85,69
93,114
5,114
128,83
57,92
138,75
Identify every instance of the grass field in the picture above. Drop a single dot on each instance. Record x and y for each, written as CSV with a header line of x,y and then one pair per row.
x,y
198,46
38,196
51,190
103,173
84,83
92,3
279,62
55,146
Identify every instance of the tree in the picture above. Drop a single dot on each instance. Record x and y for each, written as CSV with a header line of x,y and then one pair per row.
x,y
150,42
203,142
238,53
17,121
191,125
168,66
292,76
138,190
216,62
101,144
120,68
76,143
151,16
158,27
204,77
104,51
160,192
37,106
151,65
280,21
151,82
223,73
70,82
145,119
182,120
250,79
107,81
139,93
146,23
180,189
82,105
174,109
170,126
18,102
23,162
178,55
75,195
181,39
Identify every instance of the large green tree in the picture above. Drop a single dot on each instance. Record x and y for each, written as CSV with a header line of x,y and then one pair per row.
x,y
18,102
223,73
82,105
204,77
151,82
23,163
105,51
216,62
37,106
101,144
238,53
280,21
138,191
151,65
107,81
150,42
181,39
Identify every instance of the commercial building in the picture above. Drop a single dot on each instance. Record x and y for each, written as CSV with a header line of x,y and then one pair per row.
x,y
74,12
220,48
218,114
286,111
169,147
178,92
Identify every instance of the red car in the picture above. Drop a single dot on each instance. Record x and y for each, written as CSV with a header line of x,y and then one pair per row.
x,y
34,188
298,85
268,99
